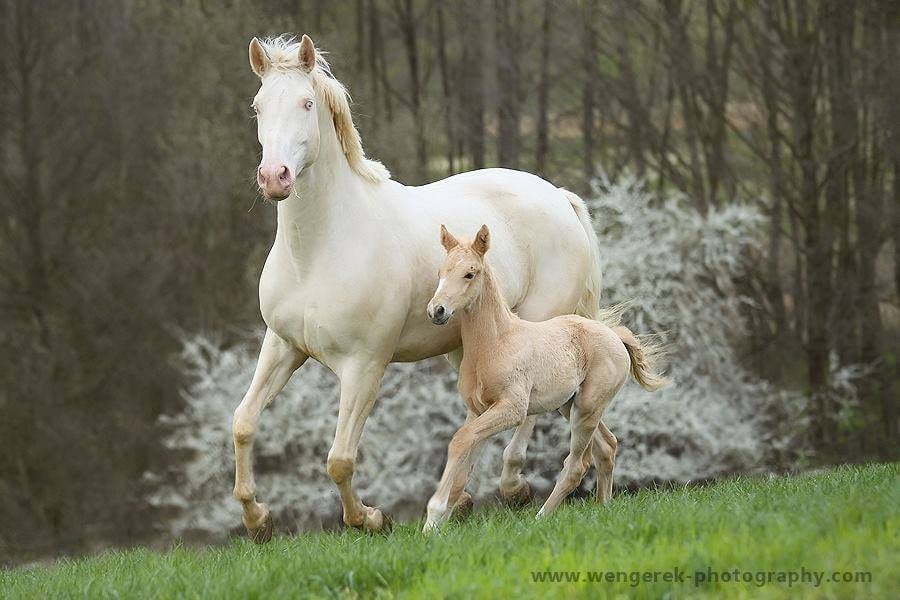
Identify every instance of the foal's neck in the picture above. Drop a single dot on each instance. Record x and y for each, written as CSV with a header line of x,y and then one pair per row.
x,y
488,317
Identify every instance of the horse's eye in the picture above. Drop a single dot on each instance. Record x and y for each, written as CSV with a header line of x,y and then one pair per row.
x,y
469,275
308,105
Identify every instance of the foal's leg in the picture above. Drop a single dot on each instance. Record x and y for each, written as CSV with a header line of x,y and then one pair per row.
x,y
497,418
583,424
359,385
460,500
605,460
514,488
277,362
603,453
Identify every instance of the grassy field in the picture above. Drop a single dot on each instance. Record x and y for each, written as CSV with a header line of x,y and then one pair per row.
x,y
845,521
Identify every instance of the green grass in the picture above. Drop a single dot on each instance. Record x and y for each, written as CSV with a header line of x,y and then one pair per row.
x,y
840,520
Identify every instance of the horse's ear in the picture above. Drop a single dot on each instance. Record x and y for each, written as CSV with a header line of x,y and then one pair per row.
x,y
259,60
447,240
482,240
307,54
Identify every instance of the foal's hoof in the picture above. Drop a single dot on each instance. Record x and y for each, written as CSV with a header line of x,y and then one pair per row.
x,y
261,533
518,497
464,507
377,521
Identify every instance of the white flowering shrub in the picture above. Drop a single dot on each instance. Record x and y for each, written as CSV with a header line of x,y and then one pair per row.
x,y
673,265
676,268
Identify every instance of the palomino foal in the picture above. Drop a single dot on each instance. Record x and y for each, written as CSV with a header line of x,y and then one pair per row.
x,y
512,369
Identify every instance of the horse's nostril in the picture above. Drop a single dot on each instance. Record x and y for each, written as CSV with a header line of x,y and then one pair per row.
x,y
284,173
439,312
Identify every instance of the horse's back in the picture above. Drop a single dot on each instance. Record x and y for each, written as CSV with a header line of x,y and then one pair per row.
x,y
506,188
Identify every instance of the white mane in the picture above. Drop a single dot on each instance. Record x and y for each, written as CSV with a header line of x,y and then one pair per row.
x,y
283,53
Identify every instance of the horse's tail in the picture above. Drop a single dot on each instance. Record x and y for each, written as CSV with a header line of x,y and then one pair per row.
x,y
589,303
642,354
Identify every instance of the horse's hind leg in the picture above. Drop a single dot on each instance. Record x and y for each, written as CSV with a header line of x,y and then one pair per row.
x,y
277,362
583,424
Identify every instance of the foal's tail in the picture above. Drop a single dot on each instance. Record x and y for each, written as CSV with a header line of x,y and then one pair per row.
x,y
642,354
589,303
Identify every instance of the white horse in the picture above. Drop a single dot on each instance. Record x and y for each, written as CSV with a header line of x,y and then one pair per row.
x,y
354,260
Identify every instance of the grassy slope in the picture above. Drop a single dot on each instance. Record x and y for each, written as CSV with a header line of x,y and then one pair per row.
x,y
846,519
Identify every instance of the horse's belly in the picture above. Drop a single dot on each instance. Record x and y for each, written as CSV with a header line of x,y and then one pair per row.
x,y
422,339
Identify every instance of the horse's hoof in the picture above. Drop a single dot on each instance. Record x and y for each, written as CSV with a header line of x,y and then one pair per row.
x,y
263,532
464,507
519,497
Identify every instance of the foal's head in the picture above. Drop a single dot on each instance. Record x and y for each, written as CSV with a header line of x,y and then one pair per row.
x,y
461,275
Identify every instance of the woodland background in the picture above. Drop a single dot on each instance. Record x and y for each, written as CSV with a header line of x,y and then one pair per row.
x,y
756,144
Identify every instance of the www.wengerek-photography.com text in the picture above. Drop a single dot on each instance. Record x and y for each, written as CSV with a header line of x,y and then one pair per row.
x,y
708,576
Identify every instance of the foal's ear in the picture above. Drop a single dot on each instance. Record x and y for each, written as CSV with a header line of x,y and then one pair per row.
x,y
482,240
447,240
259,60
307,54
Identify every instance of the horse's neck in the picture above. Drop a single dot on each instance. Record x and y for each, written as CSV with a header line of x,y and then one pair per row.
x,y
488,317
331,202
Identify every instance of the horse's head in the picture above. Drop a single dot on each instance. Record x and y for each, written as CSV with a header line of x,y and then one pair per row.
x,y
300,107
286,109
460,276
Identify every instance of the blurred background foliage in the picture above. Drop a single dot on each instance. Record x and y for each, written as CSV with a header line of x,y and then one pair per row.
x,y
130,218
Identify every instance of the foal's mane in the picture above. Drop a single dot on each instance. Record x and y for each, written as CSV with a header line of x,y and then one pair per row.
x,y
283,53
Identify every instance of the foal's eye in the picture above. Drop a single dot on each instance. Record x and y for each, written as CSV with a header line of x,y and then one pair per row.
x,y
469,275
308,105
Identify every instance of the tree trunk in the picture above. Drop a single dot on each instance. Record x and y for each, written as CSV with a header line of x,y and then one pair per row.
x,y
588,93
542,149
406,20
718,67
449,127
817,247
472,84
508,65
839,23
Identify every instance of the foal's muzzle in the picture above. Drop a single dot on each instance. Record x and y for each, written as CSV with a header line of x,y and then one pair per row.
x,y
439,315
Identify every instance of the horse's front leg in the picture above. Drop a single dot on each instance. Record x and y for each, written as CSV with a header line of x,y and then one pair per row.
x,y
359,385
277,362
